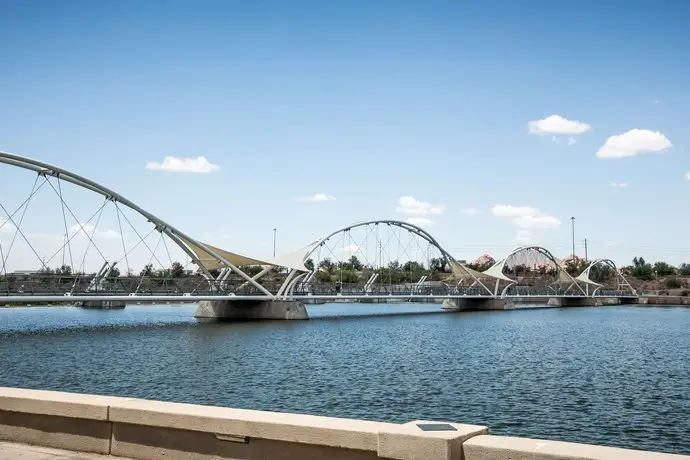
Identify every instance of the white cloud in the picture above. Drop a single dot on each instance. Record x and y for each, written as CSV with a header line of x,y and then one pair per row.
x,y
556,124
470,211
523,236
420,221
76,229
539,221
687,176
503,210
317,198
526,217
350,248
560,141
188,165
6,226
412,207
618,184
634,142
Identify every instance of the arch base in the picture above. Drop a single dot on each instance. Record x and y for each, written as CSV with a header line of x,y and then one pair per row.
x,y
250,310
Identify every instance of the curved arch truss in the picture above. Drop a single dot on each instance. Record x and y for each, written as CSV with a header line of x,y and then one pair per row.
x,y
380,257
61,233
602,277
532,270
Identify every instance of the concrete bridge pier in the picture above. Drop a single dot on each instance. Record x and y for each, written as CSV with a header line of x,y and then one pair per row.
x,y
582,301
238,310
473,304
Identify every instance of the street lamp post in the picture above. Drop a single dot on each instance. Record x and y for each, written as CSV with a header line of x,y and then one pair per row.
x,y
572,220
274,242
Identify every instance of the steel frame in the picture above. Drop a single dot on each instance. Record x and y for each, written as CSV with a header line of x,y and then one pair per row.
x,y
173,233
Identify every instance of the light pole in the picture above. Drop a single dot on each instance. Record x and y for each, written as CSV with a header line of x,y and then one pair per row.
x,y
274,242
572,220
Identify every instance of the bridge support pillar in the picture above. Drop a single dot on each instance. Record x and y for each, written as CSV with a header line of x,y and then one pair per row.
x,y
473,304
577,302
246,310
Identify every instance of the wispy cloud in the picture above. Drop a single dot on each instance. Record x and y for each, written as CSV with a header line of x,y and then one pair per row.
x,y
526,217
317,198
556,124
470,211
186,165
413,207
634,142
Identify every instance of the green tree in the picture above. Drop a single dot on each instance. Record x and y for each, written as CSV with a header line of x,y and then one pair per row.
x,y
600,273
323,276
176,270
664,269
326,264
684,269
345,276
641,269
147,270
438,264
574,266
354,263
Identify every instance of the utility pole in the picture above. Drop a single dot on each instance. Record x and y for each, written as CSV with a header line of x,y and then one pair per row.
x,y
586,258
274,242
572,220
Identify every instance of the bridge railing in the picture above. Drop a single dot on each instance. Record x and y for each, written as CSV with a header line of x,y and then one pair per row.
x,y
60,285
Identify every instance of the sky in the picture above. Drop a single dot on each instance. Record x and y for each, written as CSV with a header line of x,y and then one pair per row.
x,y
488,123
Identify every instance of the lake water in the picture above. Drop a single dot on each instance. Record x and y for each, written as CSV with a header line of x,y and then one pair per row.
x,y
615,376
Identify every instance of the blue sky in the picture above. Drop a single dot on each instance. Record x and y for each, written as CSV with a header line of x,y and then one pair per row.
x,y
366,103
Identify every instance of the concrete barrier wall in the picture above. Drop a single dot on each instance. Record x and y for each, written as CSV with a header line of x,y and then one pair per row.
x,y
142,429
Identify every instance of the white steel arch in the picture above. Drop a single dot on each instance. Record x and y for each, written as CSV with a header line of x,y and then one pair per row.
x,y
621,282
562,276
188,244
460,271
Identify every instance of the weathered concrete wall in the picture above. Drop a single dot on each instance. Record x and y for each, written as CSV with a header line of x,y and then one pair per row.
x,y
219,310
487,447
473,304
664,300
573,302
142,429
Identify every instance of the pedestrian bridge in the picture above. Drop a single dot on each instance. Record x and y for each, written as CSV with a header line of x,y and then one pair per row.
x,y
65,238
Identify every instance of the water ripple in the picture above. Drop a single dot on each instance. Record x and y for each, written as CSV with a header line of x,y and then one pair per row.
x,y
615,376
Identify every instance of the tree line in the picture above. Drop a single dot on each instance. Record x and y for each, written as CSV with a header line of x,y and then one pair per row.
x,y
353,270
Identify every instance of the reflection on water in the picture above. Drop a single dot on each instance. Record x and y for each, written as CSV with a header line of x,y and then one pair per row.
x,y
612,375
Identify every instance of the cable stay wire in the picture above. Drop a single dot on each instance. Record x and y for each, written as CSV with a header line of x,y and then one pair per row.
x,y
18,229
81,227
64,219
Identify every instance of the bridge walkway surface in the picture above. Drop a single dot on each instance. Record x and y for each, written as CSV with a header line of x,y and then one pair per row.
x,y
9,450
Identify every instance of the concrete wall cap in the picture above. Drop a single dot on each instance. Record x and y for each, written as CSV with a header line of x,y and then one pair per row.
x,y
410,442
328,431
490,447
56,403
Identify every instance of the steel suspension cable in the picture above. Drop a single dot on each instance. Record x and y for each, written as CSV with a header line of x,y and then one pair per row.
x,y
64,220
